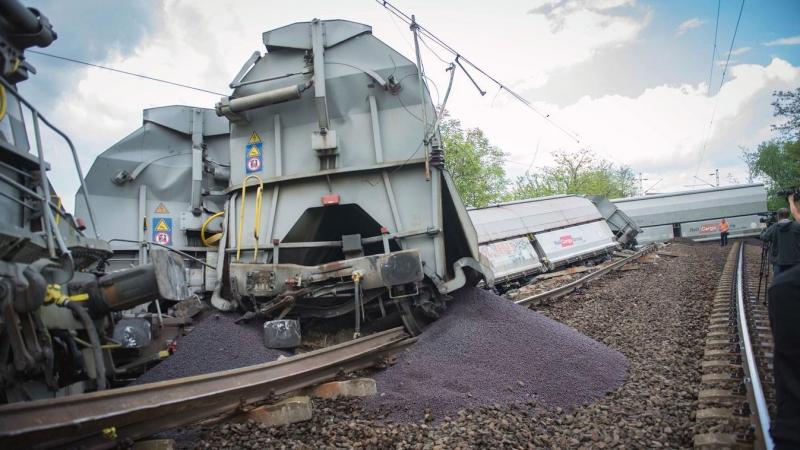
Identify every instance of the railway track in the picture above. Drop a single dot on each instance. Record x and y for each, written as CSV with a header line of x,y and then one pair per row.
x,y
736,387
570,287
108,418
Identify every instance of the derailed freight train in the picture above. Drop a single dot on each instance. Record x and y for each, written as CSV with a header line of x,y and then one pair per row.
x,y
331,200
59,329
527,237
696,214
163,182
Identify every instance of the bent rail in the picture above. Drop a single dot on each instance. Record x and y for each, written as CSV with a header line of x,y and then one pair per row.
x,y
569,287
103,419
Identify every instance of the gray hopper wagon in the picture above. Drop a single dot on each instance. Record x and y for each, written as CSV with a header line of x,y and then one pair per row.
x,y
696,214
159,185
331,199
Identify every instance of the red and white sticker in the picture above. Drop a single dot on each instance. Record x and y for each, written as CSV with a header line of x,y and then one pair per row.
x,y
567,241
162,237
253,164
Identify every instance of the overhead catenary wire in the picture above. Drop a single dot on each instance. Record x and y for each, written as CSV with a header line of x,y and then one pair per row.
x,y
733,41
461,59
125,72
425,43
719,92
714,50
424,34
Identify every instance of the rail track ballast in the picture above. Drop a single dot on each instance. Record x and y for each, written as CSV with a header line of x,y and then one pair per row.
x,y
733,402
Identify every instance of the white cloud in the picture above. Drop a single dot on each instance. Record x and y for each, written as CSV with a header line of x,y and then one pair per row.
x,y
793,40
739,51
553,35
694,22
661,132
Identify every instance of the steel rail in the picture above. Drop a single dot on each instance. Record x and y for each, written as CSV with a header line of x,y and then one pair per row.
x,y
749,361
107,418
569,287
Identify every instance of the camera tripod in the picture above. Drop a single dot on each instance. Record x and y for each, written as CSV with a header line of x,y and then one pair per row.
x,y
763,271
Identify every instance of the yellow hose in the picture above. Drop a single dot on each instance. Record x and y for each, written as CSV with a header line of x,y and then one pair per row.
x,y
214,238
58,216
259,193
3,103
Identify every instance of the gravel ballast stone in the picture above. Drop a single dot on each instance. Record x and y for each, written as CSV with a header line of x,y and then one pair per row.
x,y
656,316
486,350
215,343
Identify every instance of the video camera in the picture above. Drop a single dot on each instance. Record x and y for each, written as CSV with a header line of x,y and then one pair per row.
x,y
768,218
785,193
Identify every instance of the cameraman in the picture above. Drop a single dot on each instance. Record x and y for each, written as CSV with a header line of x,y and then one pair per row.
x,y
784,315
784,237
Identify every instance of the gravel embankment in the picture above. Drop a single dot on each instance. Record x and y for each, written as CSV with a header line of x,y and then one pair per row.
x,y
656,317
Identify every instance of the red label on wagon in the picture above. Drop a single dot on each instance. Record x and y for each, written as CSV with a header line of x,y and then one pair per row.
x,y
705,228
566,241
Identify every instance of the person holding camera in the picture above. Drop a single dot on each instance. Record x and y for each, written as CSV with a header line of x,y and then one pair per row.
x,y
784,239
784,317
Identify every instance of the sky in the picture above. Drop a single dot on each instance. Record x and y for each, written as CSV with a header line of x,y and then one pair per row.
x,y
635,81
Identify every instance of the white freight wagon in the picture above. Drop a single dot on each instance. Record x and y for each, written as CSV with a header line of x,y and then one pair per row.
x,y
525,237
697,214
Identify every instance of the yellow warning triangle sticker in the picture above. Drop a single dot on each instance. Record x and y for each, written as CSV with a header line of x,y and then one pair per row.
x,y
255,138
161,209
253,152
162,226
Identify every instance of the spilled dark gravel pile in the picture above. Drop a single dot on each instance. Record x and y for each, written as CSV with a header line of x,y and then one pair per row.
x,y
215,343
656,317
488,350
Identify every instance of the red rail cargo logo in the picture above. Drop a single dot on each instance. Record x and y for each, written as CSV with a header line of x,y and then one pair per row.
x,y
566,241
706,228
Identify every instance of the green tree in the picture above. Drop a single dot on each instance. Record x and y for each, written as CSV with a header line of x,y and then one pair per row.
x,y
778,163
475,164
787,106
580,172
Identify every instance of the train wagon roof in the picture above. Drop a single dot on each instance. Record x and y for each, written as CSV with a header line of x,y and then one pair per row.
x,y
701,204
684,193
518,218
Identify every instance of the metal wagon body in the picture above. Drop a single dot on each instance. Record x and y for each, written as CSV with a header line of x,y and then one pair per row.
x,y
696,214
529,236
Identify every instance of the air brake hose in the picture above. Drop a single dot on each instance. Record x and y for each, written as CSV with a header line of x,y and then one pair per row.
x,y
54,295
357,276
94,339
